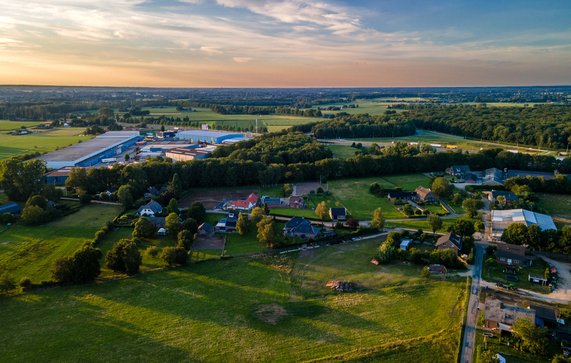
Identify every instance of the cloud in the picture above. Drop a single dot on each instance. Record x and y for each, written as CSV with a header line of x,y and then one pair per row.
x,y
211,50
241,59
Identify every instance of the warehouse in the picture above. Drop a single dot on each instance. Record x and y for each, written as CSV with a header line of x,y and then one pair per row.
x,y
185,154
211,137
89,153
502,219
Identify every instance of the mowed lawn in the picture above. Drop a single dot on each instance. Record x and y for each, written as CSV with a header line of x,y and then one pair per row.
x,y
242,310
354,193
31,251
40,141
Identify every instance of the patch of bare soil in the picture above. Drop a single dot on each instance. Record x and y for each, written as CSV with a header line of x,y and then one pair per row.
x,y
270,313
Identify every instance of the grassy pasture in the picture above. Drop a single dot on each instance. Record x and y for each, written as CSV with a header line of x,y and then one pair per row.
x,y
40,141
555,204
342,151
273,309
354,193
7,125
207,116
31,251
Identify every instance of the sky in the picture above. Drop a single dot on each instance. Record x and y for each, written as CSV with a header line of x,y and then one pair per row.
x,y
288,43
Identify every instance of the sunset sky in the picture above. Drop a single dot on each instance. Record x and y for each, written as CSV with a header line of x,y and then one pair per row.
x,y
265,43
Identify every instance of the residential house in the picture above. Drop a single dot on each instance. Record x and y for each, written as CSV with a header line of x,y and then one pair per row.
x,y
158,222
449,241
458,171
494,194
272,202
228,224
206,230
243,204
152,208
545,315
493,176
10,207
425,195
296,201
338,214
402,196
498,315
302,228
511,255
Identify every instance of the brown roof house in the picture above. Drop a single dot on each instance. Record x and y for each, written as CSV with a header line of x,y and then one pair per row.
x,y
511,255
501,316
426,195
450,240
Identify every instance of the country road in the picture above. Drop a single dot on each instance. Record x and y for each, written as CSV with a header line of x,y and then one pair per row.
x,y
472,313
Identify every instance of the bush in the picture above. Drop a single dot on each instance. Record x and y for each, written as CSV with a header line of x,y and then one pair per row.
x,y
6,283
173,256
33,215
152,251
80,268
124,257
144,228
185,239
25,283
7,218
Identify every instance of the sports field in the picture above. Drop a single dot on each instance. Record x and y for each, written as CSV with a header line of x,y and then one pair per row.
x,y
31,251
39,141
274,309
207,116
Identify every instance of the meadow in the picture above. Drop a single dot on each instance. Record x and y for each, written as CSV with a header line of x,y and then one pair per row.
x,y
273,308
31,251
39,141
8,125
207,116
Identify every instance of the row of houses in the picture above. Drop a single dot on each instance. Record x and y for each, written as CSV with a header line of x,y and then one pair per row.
x,y
491,176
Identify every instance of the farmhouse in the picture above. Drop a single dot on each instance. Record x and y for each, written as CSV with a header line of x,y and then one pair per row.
x,y
300,227
501,316
493,177
10,207
92,152
449,241
426,195
502,219
206,230
512,255
150,209
338,214
243,204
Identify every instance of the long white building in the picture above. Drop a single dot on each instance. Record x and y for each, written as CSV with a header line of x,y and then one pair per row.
x,y
502,219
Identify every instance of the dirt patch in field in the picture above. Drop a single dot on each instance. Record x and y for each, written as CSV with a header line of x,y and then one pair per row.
x,y
212,198
208,243
270,313
305,188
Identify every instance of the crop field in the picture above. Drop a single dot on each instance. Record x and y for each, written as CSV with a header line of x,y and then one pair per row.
x,y
31,251
374,107
274,308
207,116
40,141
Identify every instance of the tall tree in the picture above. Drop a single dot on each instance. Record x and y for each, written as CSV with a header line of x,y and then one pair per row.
x,y
173,224
464,228
175,185
144,228
441,187
20,180
472,205
435,223
321,210
242,224
82,267
124,257
266,233
125,196
378,220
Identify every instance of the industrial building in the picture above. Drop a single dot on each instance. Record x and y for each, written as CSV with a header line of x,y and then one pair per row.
x,y
58,176
186,154
211,137
89,153
502,219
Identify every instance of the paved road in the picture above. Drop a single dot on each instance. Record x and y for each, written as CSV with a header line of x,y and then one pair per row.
x,y
472,314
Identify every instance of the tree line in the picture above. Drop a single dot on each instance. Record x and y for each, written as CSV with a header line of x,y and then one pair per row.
x,y
544,125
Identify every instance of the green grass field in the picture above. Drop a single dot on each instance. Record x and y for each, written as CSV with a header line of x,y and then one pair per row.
x,y
273,309
40,141
7,125
342,151
354,194
31,251
207,116
494,273
554,204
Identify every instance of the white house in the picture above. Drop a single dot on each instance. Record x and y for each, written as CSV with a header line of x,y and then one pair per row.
x,y
150,209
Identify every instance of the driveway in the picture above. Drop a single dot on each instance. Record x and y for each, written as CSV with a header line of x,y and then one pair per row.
x,y
472,314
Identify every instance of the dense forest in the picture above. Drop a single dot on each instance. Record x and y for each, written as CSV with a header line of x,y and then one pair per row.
x,y
364,125
546,126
